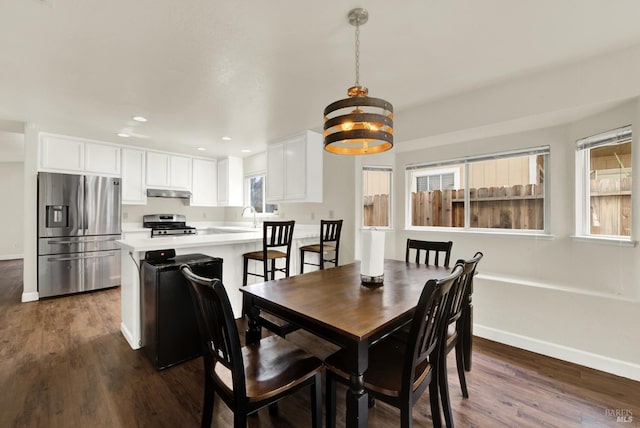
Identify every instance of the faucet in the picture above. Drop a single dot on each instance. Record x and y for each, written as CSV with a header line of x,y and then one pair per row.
x,y
253,210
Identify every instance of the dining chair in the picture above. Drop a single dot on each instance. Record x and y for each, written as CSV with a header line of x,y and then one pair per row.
x,y
329,241
400,371
251,377
437,247
454,333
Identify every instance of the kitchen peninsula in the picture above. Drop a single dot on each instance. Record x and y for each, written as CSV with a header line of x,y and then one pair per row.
x,y
228,243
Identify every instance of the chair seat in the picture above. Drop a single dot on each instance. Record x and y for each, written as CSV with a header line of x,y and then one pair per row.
x,y
259,255
272,366
315,248
386,362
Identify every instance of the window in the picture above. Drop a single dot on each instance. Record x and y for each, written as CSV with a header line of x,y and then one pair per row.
x,y
498,191
603,184
255,191
376,192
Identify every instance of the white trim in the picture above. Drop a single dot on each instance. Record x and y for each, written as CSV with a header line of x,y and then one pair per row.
x,y
519,233
615,241
30,297
128,336
11,256
565,353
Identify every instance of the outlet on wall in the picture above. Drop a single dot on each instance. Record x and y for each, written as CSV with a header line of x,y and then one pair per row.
x,y
313,216
331,214
125,216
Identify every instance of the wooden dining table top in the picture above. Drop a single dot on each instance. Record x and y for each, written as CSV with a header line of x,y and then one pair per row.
x,y
338,307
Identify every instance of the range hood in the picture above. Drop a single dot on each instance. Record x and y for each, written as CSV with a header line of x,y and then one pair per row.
x,y
166,193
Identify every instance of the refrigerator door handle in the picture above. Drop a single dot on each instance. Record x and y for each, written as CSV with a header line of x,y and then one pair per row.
x,y
80,257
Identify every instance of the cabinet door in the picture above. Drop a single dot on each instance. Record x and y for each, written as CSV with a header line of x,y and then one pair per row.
x,y
61,154
275,172
223,177
180,172
102,159
204,183
295,161
133,167
157,169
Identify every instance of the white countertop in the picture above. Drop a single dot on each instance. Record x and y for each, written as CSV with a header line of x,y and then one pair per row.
x,y
236,235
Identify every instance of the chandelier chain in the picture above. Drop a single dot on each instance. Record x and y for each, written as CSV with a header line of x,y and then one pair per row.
x,y
357,53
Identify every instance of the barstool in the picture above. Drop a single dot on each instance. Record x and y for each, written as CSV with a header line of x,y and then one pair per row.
x,y
274,234
329,232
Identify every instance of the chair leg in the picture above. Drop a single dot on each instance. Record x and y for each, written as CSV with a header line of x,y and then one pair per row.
x,y
207,407
460,367
316,401
443,384
330,398
435,404
245,271
301,261
273,269
406,415
321,261
239,419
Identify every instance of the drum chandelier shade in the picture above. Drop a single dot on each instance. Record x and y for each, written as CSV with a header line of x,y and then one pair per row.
x,y
360,124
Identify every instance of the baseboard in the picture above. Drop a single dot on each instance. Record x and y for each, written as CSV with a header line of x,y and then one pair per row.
x,y
129,337
572,355
30,297
11,256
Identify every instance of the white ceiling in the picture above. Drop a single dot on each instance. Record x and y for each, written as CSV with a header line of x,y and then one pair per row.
x,y
259,70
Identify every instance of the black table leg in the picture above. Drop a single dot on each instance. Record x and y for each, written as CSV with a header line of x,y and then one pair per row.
x,y
254,332
357,403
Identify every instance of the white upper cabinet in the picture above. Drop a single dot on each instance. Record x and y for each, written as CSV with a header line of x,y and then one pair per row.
x,y
102,158
294,169
230,182
205,183
167,171
60,153
133,170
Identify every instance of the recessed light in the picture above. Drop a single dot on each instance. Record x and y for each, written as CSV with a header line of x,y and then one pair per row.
x,y
139,118
245,151
202,149
226,138
123,135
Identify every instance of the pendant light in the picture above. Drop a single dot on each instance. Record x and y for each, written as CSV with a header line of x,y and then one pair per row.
x,y
360,124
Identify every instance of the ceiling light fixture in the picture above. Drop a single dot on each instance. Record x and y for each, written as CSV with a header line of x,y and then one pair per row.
x,y
226,138
360,124
202,149
123,135
139,118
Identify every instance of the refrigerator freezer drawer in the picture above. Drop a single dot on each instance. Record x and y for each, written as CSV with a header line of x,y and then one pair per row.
x,y
77,244
74,273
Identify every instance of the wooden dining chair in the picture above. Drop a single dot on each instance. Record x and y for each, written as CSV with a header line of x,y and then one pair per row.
x,y
454,333
252,377
400,371
329,241
437,247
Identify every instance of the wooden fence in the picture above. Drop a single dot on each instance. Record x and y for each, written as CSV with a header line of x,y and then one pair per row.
x,y
376,210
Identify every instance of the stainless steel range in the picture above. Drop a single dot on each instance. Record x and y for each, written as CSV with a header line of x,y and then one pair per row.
x,y
167,225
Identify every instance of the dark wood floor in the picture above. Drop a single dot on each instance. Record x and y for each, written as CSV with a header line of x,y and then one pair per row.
x,y
64,363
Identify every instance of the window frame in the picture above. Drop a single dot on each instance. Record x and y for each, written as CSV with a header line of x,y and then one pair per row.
x,y
465,162
380,168
247,196
582,207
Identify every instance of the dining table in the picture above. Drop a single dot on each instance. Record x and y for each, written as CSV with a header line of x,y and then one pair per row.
x,y
334,305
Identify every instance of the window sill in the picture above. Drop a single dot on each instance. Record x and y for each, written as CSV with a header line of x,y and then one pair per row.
x,y
480,232
618,242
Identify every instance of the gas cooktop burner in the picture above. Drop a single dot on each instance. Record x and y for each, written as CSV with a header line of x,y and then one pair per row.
x,y
167,225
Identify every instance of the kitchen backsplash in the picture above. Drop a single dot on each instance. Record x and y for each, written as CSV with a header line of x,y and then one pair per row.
x,y
134,213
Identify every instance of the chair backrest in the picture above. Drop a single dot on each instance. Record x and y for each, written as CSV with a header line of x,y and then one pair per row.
x,y
427,327
462,294
436,247
330,231
218,330
277,234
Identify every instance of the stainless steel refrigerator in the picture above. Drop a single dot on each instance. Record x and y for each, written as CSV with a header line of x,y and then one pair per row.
x,y
78,224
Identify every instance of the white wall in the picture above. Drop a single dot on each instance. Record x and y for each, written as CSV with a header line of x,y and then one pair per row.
x,y
134,213
558,296
12,214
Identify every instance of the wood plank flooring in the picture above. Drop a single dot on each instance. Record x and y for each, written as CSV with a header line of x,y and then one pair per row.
x,y
64,363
